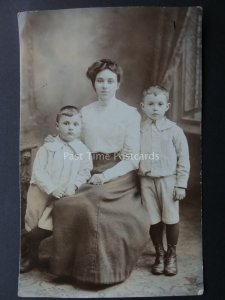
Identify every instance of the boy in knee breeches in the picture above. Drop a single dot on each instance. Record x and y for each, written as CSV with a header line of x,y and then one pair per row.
x,y
164,172
60,168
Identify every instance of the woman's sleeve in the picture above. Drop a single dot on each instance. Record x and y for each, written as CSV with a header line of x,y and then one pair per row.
x,y
130,153
86,166
82,126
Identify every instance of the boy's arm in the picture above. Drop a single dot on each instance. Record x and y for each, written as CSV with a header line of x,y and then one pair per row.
x,y
183,162
86,166
40,175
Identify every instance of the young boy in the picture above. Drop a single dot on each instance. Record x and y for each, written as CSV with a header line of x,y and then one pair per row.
x,y
164,171
59,169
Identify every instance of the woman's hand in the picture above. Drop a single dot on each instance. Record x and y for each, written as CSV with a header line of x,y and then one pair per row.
x,y
97,179
179,193
49,139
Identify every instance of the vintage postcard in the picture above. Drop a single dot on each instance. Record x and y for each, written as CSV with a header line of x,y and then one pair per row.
x,y
110,152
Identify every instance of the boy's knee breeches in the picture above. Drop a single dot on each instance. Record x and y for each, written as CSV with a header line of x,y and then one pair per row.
x,y
157,193
39,209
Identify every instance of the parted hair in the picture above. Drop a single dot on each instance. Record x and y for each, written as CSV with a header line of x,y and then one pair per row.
x,y
156,90
101,65
68,110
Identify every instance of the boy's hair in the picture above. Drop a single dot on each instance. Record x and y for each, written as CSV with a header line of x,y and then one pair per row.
x,y
101,65
156,90
68,110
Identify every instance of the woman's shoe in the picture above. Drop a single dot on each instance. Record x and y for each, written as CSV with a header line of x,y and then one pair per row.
x,y
62,280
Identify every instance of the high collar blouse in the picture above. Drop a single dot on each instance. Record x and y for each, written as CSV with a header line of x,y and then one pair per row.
x,y
112,128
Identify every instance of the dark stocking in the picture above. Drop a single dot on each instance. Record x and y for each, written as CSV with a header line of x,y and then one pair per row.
x,y
156,232
172,233
36,235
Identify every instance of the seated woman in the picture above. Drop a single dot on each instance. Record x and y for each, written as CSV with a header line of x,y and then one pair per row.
x,y
101,231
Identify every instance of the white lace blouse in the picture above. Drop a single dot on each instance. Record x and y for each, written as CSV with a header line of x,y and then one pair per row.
x,y
111,129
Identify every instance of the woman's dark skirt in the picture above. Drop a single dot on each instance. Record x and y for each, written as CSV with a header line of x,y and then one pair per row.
x,y
101,231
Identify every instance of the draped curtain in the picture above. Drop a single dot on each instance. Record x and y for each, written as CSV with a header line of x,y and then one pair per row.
x,y
154,45
183,76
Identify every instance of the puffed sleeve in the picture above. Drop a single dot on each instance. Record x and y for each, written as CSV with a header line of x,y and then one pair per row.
x,y
183,162
40,175
131,149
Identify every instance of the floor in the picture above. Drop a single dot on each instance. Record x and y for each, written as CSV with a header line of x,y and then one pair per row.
x,y
141,283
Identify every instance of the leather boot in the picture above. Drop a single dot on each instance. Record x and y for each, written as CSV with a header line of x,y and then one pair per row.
x,y
34,238
27,265
171,261
24,245
158,267
30,261
29,253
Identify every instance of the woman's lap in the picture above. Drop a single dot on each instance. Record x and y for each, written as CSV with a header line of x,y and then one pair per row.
x,y
100,232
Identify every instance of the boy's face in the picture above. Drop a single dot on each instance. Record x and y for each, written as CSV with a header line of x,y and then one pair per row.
x,y
155,107
68,127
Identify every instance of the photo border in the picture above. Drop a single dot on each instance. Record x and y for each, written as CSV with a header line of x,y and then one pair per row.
x,y
213,77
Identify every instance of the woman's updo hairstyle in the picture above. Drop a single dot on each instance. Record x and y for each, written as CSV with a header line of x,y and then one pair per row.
x,y
101,65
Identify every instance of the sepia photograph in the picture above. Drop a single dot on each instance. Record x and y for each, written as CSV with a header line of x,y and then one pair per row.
x,y
110,152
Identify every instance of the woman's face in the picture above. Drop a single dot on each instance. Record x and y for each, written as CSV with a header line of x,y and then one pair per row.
x,y
106,85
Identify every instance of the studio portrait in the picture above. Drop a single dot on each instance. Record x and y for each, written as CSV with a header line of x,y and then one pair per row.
x,y
110,152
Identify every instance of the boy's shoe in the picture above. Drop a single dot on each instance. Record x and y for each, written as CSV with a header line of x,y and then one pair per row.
x,y
158,267
27,265
171,261
30,260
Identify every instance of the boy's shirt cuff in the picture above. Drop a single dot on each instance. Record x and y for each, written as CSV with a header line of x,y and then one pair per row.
x,y
49,189
181,184
77,184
